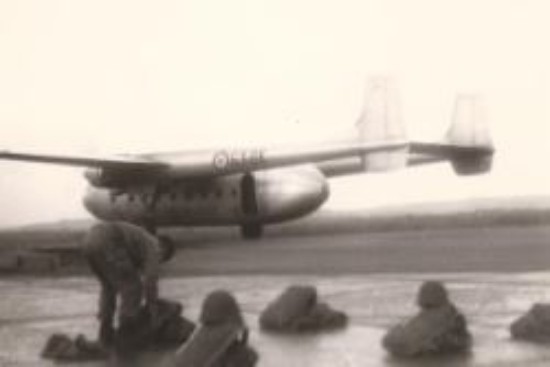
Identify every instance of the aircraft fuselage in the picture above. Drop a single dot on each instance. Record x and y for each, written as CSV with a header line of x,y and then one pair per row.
x,y
264,197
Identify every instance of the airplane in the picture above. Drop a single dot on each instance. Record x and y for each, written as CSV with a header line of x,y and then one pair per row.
x,y
255,187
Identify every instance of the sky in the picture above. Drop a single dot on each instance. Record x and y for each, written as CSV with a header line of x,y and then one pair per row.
x,y
104,77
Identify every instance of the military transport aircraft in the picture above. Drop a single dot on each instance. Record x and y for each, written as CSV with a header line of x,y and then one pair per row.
x,y
253,187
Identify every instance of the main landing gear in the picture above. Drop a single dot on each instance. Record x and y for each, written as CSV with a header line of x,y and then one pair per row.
x,y
251,231
252,228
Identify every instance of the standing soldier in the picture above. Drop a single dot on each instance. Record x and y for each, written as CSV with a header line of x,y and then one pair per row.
x,y
125,258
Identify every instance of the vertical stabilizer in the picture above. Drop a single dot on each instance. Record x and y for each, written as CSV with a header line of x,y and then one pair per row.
x,y
381,121
469,123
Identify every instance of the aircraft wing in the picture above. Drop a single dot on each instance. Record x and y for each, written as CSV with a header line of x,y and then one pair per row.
x,y
117,162
231,161
212,163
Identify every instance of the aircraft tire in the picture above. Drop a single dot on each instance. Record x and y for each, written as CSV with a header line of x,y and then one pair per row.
x,y
251,231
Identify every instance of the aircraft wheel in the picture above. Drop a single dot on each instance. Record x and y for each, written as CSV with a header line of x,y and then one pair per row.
x,y
251,231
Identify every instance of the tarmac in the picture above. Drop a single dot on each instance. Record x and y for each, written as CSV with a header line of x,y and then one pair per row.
x,y
32,308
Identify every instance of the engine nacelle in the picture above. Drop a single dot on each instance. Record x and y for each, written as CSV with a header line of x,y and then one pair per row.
x,y
289,193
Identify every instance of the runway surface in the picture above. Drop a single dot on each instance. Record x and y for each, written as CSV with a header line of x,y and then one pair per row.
x,y
493,275
32,309
481,249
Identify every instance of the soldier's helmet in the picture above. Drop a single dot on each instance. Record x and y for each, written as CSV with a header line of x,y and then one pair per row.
x,y
432,294
220,307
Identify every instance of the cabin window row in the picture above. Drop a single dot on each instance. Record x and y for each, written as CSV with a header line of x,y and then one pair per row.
x,y
187,195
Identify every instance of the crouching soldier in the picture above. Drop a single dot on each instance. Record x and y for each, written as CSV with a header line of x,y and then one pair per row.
x,y
221,340
125,258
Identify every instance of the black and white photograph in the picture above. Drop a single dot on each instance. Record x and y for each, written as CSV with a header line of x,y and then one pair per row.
x,y
274,183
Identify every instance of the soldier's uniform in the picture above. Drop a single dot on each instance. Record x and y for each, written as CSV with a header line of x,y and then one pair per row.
x,y
125,258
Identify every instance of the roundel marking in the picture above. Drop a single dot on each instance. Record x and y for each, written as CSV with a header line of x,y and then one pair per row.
x,y
221,160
